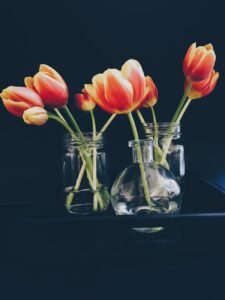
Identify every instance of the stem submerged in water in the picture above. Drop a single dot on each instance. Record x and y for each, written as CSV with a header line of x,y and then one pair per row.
x,y
140,160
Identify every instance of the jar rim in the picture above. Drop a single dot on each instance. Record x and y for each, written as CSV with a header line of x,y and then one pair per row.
x,y
163,129
142,142
68,137
87,141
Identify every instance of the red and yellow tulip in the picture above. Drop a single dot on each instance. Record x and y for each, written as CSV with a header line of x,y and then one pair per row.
x,y
84,102
119,92
199,62
35,116
18,99
152,95
203,88
50,86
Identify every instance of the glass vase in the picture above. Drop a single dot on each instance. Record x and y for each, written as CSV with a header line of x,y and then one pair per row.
x,y
85,177
167,149
128,191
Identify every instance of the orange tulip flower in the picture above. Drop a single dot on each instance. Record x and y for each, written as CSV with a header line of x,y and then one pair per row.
x,y
84,101
35,116
203,88
18,99
119,92
152,95
199,62
50,86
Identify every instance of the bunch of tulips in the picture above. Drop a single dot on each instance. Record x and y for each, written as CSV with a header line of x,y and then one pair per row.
x,y
45,96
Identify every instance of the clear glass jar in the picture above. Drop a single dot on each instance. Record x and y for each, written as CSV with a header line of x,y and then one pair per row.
x,y
85,177
128,193
167,149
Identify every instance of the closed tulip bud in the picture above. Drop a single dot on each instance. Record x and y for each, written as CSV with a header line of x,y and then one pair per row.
x,y
35,116
50,86
119,92
199,62
203,88
152,95
84,101
18,99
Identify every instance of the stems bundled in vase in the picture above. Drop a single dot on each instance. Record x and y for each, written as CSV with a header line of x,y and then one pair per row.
x,y
45,96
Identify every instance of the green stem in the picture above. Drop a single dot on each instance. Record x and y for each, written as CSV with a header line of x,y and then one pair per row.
x,y
155,126
70,197
93,124
94,175
60,115
65,124
140,160
183,110
73,121
187,90
154,117
106,125
174,120
140,116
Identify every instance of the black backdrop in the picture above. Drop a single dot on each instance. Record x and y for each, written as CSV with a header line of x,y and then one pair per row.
x,y
81,38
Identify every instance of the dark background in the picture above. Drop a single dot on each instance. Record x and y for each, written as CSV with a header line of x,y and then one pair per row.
x,y
80,39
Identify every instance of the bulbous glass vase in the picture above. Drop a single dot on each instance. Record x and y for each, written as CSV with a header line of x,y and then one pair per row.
x,y
128,194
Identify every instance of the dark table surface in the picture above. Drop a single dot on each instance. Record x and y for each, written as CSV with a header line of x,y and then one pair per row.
x,y
43,247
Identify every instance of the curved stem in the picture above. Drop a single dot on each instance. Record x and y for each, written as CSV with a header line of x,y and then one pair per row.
x,y
187,90
106,125
73,121
183,110
64,124
141,165
140,116
154,116
60,115
167,142
93,124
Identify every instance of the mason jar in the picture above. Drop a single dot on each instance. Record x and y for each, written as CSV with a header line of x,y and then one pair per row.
x,y
167,149
85,174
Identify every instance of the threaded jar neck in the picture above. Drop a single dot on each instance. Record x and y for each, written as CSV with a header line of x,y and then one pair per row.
x,y
143,147
163,129
86,139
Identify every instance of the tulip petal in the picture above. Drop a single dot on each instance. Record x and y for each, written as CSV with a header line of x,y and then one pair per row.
x,y
132,71
23,94
189,57
15,108
98,83
52,92
51,72
203,88
208,47
35,116
204,66
100,102
119,91
84,102
29,83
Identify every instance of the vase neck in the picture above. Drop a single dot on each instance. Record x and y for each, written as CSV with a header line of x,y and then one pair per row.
x,y
142,151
